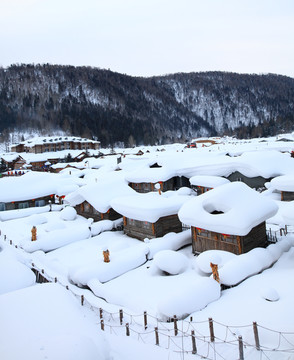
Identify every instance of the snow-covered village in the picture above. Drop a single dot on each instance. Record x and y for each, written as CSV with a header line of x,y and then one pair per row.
x,y
182,251
146,180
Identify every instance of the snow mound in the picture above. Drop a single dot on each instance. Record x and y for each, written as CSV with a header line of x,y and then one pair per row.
x,y
270,294
170,261
197,297
68,213
253,262
56,225
13,274
217,257
36,220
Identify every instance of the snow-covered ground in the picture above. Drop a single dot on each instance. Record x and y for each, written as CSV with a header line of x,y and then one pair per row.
x,y
161,276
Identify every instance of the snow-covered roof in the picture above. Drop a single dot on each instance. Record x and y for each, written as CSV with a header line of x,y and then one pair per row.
x,y
153,175
100,194
10,157
267,164
40,140
33,185
208,181
242,209
150,206
283,183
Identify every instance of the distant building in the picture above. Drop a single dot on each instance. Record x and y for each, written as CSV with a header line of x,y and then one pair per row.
x,y
54,143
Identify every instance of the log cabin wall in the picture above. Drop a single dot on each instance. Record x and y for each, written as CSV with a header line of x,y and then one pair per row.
x,y
255,238
203,240
86,210
287,195
38,202
146,187
144,229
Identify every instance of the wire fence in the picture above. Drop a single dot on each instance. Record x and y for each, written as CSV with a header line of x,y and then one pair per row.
x,y
209,339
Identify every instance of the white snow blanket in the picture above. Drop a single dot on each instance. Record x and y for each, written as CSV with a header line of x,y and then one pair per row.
x,y
242,208
149,207
196,297
150,175
170,241
34,185
120,263
253,262
13,274
45,322
57,238
208,181
217,257
169,261
283,183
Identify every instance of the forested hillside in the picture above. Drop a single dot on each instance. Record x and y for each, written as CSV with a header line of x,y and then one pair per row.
x,y
113,107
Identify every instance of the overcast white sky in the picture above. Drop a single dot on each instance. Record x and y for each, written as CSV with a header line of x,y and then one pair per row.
x,y
151,37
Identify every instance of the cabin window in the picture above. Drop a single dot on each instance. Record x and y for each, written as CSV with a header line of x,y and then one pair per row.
x,y
131,222
39,203
202,232
2,207
232,239
146,225
146,186
23,205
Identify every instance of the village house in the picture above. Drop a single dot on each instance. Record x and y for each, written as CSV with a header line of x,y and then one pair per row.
x,y
33,190
11,161
230,217
202,183
144,181
55,143
284,185
93,200
150,215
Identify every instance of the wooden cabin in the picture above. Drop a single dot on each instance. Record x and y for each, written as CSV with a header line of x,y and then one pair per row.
x,y
88,211
203,240
144,229
230,217
23,204
285,185
150,215
145,187
287,195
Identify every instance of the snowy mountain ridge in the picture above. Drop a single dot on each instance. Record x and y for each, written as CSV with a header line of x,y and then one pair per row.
x,y
120,108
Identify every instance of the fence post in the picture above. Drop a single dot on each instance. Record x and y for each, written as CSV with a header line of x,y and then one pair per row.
x,y
5,237
241,352
127,329
191,318
82,300
10,242
145,320
121,316
194,348
101,313
211,329
175,325
55,279
102,324
156,336
256,337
